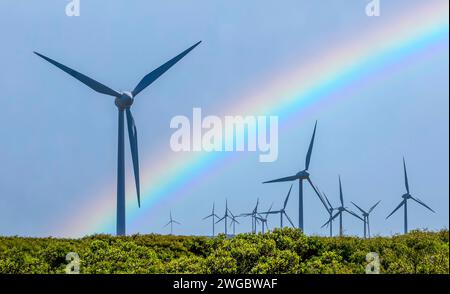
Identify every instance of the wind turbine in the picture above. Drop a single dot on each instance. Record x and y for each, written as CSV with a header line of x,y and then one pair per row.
x,y
365,215
341,209
263,219
213,215
253,216
171,222
225,217
330,210
282,211
233,222
405,197
301,176
123,101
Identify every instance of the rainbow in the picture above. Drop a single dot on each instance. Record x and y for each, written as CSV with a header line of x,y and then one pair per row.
x,y
167,175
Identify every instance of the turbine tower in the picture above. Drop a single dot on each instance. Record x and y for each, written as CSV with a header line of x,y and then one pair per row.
x,y
171,222
282,211
301,176
213,215
404,202
365,215
341,210
123,102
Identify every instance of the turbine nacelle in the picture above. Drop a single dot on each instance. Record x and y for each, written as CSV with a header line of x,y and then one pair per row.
x,y
406,196
124,101
303,174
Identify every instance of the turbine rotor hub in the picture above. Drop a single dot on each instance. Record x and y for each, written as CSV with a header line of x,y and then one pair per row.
x,y
124,101
303,174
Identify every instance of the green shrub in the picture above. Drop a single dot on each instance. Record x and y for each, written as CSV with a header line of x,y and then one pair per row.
x,y
276,252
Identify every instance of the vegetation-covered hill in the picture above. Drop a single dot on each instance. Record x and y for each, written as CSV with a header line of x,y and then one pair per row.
x,y
279,251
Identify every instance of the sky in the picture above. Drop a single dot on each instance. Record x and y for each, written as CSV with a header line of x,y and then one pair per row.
x,y
58,138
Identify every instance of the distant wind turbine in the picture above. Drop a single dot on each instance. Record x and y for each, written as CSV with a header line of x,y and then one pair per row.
x,y
365,215
405,197
330,210
234,221
282,211
225,218
253,216
213,215
301,176
262,217
123,101
341,210
171,222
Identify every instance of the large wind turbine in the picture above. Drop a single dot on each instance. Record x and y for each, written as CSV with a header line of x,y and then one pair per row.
x,y
213,215
341,210
171,222
405,197
282,211
301,176
365,215
123,101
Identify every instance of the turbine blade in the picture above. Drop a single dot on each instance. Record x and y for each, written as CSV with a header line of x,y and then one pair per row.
x,y
91,83
176,222
220,220
308,155
328,201
406,176
270,209
132,135
286,179
421,203
372,208
340,192
331,219
206,217
354,214
155,74
287,197
245,214
166,224
401,203
360,209
318,194
289,219
272,212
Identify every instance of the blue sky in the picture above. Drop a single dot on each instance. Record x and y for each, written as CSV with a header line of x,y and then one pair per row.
x,y
58,137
